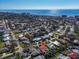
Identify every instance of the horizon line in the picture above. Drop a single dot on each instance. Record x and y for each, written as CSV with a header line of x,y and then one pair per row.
x,y
43,9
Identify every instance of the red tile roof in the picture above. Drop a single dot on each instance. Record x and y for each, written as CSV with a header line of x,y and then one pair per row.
x,y
73,55
43,47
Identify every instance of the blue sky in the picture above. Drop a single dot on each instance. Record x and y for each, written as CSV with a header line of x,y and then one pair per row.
x,y
39,4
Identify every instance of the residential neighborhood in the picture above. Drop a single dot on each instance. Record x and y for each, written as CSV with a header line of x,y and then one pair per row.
x,y
29,36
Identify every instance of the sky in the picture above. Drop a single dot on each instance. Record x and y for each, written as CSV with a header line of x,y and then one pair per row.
x,y
39,4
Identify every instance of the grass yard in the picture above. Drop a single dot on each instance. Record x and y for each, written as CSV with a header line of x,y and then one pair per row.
x,y
1,43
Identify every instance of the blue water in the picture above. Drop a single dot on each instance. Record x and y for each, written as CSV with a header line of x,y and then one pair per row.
x,y
69,12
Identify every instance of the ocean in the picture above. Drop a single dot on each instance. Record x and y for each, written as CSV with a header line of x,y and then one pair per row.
x,y
69,12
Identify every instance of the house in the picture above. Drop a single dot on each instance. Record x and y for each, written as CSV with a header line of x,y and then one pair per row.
x,y
3,50
76,50
7,43
26,42
53,44
37,39
25,52
39,57
21,35
61,56
23,38
6,38
2,29
5,35
36,54
43,47
45,37
50,34
73,55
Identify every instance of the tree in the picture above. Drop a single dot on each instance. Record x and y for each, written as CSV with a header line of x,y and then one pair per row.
x,y
18,56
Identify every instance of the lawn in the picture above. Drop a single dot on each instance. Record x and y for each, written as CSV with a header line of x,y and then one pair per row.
x,y
1,43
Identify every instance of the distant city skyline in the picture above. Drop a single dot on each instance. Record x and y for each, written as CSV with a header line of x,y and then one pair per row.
x,y
39,4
